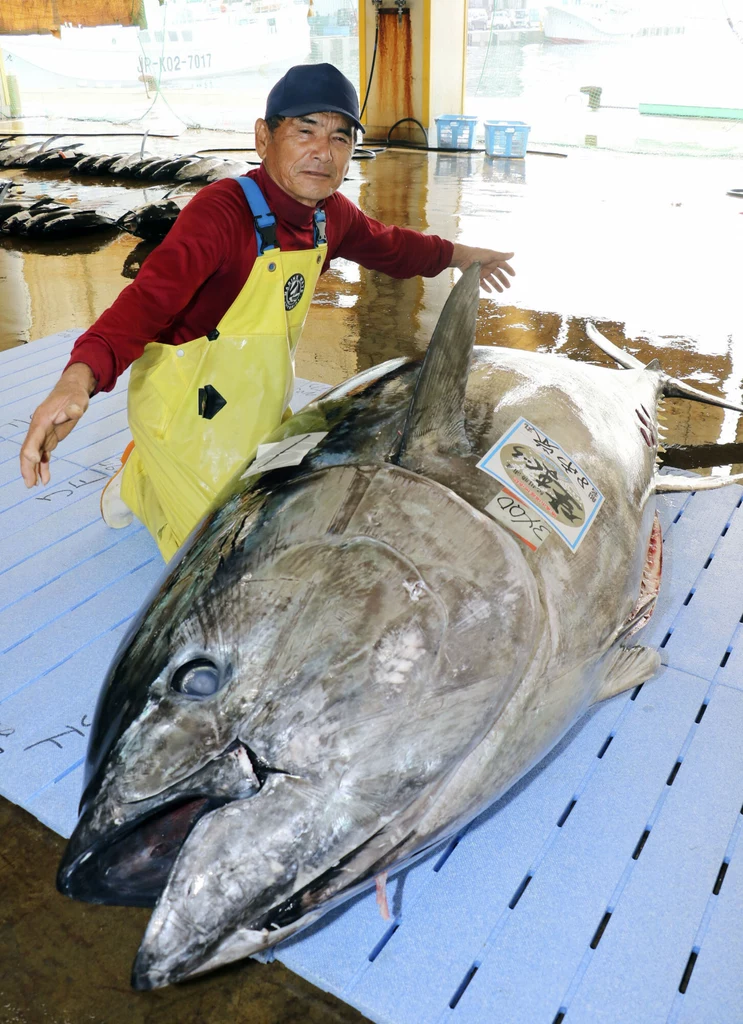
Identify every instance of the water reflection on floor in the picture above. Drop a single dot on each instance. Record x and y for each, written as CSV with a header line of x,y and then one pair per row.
x,y
640,245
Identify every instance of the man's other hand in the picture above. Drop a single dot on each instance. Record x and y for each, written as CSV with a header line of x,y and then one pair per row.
x,y
494,266
53,420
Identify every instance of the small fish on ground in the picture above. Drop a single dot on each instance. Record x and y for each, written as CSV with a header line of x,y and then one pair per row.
x,y
55,159
123,167
148,167
227,169
169,170
199,170
68,225
153,220
97,163
9,157
15,223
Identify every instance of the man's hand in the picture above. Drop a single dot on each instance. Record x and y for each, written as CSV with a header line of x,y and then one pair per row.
x,y
493,265
53,420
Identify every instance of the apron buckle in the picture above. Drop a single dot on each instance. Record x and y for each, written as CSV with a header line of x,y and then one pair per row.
x,y
210,402
266,231
320,220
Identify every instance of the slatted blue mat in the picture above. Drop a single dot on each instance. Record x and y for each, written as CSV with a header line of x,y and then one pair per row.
x,y
606,887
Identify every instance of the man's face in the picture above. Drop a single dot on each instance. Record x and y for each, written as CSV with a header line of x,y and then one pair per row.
x,y
307,156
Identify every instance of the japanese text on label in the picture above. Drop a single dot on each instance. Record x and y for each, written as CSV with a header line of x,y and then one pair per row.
x,y
506,509
540,473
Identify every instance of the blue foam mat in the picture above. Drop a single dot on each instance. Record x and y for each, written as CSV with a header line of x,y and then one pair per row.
x,y
607,886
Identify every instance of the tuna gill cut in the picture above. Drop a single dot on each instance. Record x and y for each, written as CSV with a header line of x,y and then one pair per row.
x,y
355,655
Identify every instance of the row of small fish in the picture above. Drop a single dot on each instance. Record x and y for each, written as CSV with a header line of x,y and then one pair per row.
x,y
36,218
48,218
38,156
155,168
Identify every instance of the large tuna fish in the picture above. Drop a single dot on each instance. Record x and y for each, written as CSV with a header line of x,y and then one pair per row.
x,y
352,657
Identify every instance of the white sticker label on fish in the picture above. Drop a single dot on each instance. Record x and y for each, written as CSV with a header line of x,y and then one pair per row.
x,y
507,510
543,476
288,452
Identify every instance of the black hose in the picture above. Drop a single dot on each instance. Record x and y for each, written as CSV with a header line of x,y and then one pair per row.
x,y
92,135
402,121
371,71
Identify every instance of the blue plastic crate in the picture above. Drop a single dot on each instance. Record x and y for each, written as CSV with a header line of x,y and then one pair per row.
x,y
456,131
506,138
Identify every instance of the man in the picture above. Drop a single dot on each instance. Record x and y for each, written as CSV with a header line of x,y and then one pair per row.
x,y
213,319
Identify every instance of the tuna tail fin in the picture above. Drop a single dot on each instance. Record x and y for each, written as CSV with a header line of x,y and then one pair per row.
x,y
671,387
436,410
667,482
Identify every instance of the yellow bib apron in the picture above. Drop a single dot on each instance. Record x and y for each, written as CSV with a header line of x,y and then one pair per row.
x,y
198,412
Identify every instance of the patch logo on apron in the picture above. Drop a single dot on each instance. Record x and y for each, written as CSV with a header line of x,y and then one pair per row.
x,y
293,291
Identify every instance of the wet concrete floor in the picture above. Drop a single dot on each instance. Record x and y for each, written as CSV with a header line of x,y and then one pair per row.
x,y
643,246
69,963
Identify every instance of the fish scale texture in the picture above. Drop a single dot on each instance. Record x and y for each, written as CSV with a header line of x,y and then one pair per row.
x,y
584,891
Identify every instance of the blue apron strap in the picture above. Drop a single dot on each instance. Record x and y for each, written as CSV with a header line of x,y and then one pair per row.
x,y
264,220
320,219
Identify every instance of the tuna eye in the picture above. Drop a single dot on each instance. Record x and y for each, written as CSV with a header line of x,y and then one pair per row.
x,y
197,678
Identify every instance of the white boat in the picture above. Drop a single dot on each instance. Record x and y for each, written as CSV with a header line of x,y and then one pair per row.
x,y
596,21
184,41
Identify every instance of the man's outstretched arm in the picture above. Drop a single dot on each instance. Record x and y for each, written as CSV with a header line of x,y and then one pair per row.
x,y
54,419
166,284
403,252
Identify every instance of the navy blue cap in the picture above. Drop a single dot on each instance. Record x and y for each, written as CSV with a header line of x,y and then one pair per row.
x,y
312,88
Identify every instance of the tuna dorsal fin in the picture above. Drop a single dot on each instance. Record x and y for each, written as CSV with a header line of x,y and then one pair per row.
x,y
436,409
666,483
629,362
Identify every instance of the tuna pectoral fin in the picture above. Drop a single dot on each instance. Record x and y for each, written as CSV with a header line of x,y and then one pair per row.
x,y
629,667
666,483
437,408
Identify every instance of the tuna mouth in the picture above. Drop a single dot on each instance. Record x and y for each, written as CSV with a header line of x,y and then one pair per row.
x,y
129,865
132,868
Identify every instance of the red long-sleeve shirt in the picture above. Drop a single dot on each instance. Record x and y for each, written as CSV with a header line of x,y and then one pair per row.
x,y
193,277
